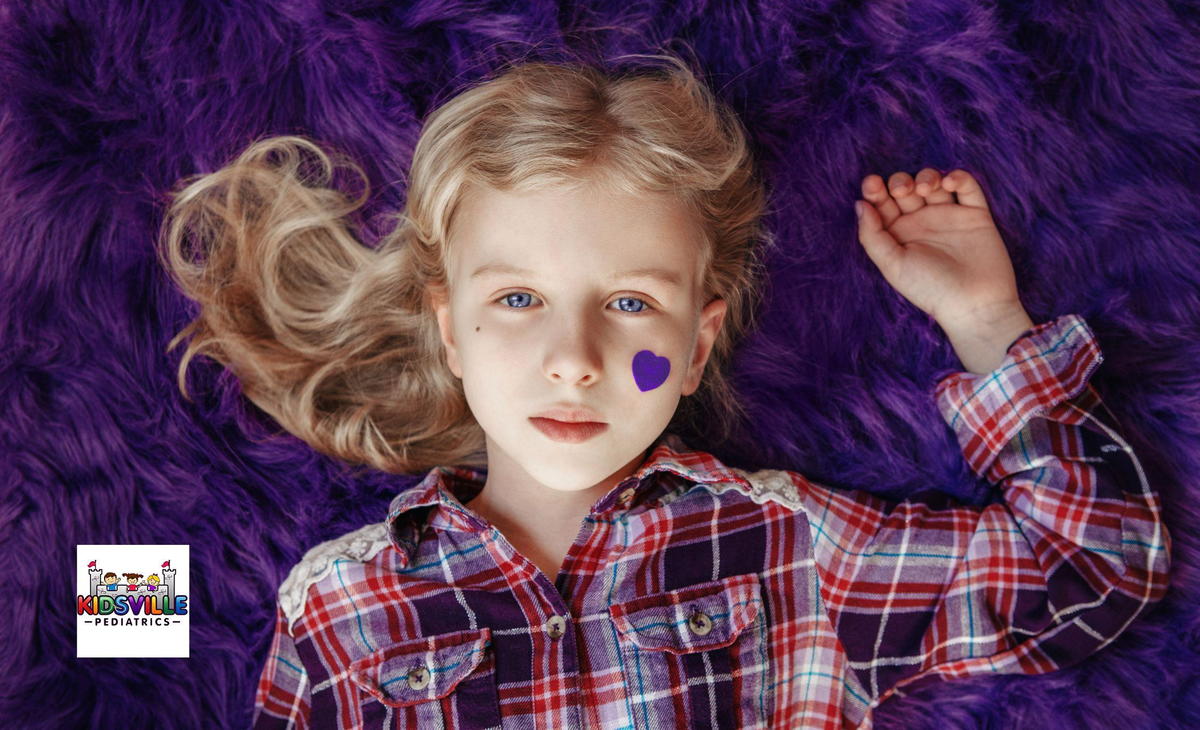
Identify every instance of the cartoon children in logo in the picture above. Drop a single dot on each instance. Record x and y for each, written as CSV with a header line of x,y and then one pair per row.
x,y
115,585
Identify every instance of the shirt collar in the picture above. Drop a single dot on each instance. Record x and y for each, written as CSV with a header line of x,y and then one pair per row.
x,y
439,498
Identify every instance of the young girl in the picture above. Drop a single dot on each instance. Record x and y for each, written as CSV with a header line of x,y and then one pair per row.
x,y
578,253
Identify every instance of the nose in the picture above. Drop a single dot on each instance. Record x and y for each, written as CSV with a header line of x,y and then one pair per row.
x,y
573,353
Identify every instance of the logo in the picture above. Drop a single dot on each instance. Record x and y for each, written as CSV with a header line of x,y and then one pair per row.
x,y
132,601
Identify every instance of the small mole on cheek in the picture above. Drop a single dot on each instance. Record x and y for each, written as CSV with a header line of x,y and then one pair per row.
x,y
476,329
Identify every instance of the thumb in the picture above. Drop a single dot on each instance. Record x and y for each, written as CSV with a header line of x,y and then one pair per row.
x,y
881,246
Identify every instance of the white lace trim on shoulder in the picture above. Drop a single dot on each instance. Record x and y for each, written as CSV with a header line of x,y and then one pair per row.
x,y
360,545
765,485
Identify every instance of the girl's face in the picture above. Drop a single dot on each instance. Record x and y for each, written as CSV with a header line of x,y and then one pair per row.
x,y
544,310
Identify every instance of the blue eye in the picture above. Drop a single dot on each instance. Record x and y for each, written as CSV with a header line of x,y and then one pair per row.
x,y
643,306
506,297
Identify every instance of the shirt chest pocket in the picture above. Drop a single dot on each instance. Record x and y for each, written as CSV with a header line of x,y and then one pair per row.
x,y
444,680
696,656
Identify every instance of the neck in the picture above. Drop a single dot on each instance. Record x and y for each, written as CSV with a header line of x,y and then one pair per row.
x,y
534,510
539,521
516,499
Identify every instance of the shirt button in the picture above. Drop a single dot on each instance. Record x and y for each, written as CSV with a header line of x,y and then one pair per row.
x,y
700,623
627,495
555,627
418,678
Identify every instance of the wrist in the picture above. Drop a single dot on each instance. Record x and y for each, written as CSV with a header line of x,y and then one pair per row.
x,y
982,341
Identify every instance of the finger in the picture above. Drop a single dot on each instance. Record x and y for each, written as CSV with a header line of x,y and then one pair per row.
x,y
901,186
929,186
966,187
875,192
880,245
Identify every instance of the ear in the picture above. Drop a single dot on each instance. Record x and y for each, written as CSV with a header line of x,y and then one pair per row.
x,y
439,299
711,318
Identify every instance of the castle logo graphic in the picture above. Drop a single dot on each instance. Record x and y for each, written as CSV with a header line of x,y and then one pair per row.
x,y
133,601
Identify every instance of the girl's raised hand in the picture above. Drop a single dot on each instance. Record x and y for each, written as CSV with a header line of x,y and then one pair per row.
x,y
934,240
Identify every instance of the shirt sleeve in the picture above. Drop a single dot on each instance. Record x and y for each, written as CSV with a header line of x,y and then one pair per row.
x,y
282,699
1070,551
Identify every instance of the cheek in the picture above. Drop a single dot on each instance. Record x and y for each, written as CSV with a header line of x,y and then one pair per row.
x,y
649,370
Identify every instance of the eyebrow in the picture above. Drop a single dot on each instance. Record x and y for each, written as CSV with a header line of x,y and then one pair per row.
x,y
665,276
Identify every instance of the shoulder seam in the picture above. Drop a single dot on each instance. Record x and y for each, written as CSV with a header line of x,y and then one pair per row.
x,y
360,545
766,485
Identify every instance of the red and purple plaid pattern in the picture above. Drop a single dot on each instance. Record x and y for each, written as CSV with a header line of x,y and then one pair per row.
x,y
699,595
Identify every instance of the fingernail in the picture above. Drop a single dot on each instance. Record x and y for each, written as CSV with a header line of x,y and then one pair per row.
x,y
858,209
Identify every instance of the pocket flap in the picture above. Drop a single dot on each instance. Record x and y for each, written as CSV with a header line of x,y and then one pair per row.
x,y
421,669
694,618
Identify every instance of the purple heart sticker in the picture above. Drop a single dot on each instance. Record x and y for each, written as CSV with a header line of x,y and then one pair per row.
x,y
650,370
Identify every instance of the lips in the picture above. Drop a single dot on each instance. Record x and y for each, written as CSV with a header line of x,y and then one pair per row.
x,y
572,433
570,413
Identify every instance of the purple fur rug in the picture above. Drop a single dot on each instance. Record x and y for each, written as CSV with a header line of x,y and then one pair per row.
x,y
1082,120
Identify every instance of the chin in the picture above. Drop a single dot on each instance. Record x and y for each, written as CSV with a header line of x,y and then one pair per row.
x,y
573,478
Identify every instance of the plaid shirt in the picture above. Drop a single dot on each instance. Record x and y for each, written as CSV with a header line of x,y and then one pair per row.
x,y
702,595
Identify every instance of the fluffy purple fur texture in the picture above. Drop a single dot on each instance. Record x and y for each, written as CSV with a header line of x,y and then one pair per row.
x,y
1081,119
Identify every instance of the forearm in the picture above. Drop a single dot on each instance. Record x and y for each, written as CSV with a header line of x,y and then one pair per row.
x,y
1032,426
919,591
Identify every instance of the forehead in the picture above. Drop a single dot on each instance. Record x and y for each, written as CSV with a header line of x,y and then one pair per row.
x,y
557,231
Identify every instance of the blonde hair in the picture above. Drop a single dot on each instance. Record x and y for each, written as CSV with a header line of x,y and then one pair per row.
x,y
338,342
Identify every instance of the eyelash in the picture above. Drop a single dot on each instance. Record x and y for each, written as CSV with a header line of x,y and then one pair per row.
x,y
645,310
